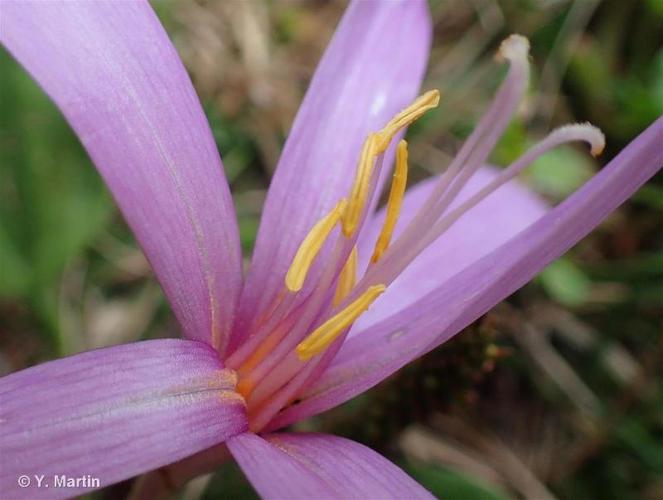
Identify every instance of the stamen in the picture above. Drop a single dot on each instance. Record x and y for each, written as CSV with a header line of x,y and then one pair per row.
x,y
326,333
361,186
412,113
265,347
375,145
311,245
273,306
395,201
347,278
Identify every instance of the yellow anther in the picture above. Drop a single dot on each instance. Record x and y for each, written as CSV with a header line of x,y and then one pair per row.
x,y
413,112
376,144
311,245
326,333
347,278
395,201
360,187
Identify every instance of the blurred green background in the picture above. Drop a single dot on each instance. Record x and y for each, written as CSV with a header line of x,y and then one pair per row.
x,y
555,393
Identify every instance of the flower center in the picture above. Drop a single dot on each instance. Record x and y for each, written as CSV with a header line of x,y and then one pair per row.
x,y
296,337
293,335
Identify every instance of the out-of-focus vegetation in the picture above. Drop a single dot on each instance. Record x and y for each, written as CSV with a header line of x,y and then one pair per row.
x,y
555,393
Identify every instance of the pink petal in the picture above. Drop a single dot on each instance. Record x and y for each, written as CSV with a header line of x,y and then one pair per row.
x,y
369,357
114,413
319,466
111,69
372,69
492,223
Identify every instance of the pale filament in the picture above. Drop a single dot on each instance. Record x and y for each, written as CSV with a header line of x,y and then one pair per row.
x,y
394,264
477,147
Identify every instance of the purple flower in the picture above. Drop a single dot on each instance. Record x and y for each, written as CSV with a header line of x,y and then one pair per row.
x,y
294,337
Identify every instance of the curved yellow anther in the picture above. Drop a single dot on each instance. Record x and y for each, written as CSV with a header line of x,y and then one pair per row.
x,y
360,187
347,278
395,202
326,333
376,144
311,245
413,112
